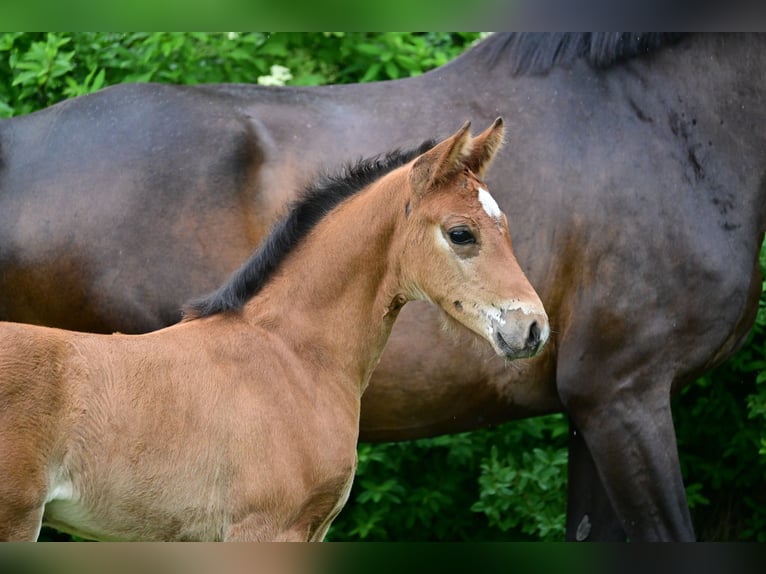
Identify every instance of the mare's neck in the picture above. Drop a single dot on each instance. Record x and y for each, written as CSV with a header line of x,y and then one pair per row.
x,y
331,301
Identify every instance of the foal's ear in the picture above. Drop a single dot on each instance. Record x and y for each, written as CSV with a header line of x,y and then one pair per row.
x,y
442,161
485,146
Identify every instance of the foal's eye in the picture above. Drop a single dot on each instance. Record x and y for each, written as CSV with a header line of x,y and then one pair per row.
x,y
461,236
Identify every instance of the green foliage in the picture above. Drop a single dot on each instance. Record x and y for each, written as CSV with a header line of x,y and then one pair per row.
x,y
497,484
507,483
37,70
527,493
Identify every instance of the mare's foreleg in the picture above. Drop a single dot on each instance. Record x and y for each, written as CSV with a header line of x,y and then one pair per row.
x,y
590,516
628,428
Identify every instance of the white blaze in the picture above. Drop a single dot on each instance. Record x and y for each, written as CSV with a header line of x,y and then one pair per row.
x,y
489,204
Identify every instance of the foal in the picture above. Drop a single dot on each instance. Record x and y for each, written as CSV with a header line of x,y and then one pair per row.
x,y
241,422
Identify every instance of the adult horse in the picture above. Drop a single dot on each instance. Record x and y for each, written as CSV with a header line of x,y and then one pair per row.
x,y
634,170
241,423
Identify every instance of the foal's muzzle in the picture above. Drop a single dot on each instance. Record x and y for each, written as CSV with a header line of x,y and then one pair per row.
x,y
520,333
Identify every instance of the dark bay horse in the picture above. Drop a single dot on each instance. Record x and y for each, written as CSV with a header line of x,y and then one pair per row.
x,y
241,422
634,171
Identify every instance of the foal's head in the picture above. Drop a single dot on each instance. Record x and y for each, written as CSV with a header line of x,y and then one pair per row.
x,y
456,249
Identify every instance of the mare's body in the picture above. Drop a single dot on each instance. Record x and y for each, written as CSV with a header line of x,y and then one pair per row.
x,y
637,186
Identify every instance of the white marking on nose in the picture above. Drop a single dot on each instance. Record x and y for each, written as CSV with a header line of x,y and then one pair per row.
x,y
496,314
526,308
489,204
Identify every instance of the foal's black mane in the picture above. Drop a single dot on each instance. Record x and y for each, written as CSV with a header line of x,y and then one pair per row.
x,y
527,53
315,202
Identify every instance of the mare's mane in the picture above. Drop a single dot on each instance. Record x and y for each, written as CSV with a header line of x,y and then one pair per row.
x,y
531,54
313,204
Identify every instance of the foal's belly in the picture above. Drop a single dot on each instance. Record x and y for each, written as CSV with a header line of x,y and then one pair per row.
x,y
293,495
104,504
119,523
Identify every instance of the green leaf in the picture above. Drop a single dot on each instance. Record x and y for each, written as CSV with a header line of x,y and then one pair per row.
x,y
369,49
392,70
371,73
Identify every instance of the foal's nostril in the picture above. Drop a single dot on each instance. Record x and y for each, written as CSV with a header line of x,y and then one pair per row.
x,y
534,335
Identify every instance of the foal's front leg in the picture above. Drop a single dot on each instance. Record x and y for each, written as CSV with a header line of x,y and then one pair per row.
x,y
309,523
255,527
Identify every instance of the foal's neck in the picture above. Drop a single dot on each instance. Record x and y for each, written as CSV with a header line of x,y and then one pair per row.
x,y
332,298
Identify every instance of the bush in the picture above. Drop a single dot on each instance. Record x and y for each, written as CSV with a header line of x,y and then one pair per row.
x,y
37,70
507,483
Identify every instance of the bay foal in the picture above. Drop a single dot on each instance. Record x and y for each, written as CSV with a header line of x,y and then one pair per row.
x,y
241,422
